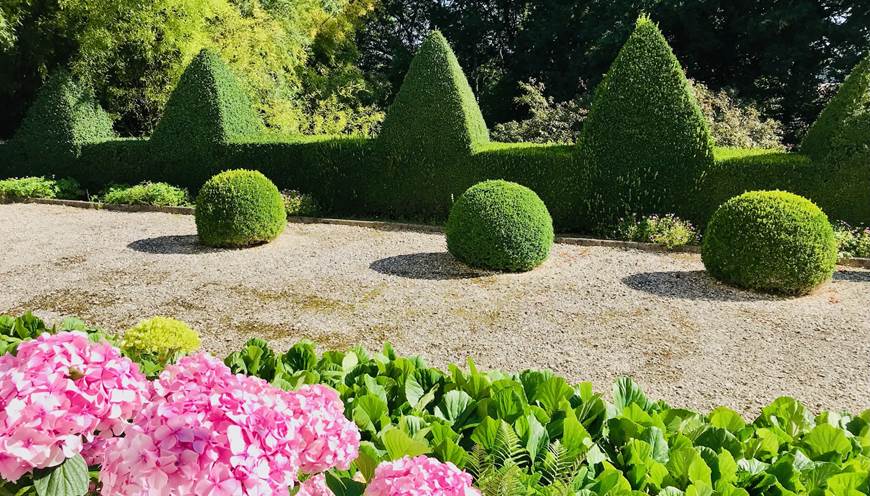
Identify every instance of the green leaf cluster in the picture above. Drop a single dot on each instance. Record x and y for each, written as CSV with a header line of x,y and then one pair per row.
x,y
535,434
770,241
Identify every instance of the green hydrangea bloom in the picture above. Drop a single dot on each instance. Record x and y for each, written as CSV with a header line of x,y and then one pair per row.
x,y
160,339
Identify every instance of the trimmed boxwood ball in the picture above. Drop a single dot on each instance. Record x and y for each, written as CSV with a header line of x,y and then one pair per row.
x,y
770,241
500,225
239,208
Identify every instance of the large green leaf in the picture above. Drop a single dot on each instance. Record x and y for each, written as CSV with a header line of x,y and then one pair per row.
x,y
399,444
454,407
826,440
70,478
626,392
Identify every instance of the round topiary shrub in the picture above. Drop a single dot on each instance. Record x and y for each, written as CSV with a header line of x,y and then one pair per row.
x,y
500,225
239,208
770,241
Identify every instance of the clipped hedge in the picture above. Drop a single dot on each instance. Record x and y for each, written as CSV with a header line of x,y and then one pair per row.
x,y
770,241
430,131
208,108
852,97
239,208
500,225
645,143
64,117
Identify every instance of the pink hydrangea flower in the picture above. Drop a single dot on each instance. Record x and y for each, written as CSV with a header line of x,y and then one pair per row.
x,y
329,439
208,431
315,486
420,476
62,394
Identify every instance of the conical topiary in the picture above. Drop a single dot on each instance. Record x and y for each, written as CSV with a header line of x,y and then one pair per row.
x,y
645,143
64,117
208,108
431,129
838,118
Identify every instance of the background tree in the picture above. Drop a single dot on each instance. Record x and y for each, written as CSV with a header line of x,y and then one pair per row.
x,y
782,54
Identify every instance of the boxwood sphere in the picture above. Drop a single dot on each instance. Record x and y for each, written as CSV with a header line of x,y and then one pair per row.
x,y
239,208
770,241
500,225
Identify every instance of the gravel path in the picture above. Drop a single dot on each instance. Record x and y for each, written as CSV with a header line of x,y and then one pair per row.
x,y
588,313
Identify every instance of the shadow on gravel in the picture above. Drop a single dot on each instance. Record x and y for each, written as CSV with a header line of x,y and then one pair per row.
x,y
171,245
852,275
690,285
440,266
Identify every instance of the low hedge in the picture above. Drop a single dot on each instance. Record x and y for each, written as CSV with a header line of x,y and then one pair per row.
x,y
500,225
770,241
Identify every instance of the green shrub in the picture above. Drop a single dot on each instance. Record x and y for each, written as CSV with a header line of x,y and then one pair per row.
x,y
159,341
770,241
645,143
430,130
549,121
852,242
500,225
207,109
147,193
736,123
64,117
853,96
668,231
39,187
239,208
299,204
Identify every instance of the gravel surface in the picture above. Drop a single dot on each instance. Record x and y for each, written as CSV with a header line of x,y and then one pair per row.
x,y
591,314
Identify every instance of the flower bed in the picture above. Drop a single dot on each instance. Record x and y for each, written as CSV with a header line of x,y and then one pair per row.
x,y
350,423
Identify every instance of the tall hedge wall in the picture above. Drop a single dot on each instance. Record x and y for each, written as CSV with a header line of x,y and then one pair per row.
x,y
435,145
646,143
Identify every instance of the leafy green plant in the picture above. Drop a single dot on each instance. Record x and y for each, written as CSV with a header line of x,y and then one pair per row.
x,y
736,123
14,330
146,193
533,433
852,241
770,241
39,187
157,342
668,231
646,144
300,204
500,225
239,208
549,122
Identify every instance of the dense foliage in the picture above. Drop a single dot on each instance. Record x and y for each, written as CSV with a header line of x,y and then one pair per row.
x,y
431,128
500,225
239,208
134,53
645,143
63,118
548,122
735,123
146,193
770,241
852,241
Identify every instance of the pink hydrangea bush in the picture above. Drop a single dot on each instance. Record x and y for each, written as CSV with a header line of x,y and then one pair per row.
x,y
208,431
62,395
420,476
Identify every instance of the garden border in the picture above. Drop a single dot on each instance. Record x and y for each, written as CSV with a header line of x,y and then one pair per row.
x,y
863,263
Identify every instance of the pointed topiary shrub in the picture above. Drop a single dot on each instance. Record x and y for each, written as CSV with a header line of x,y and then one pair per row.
x,y
430,131
836,127
64,117
208,109
645,143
